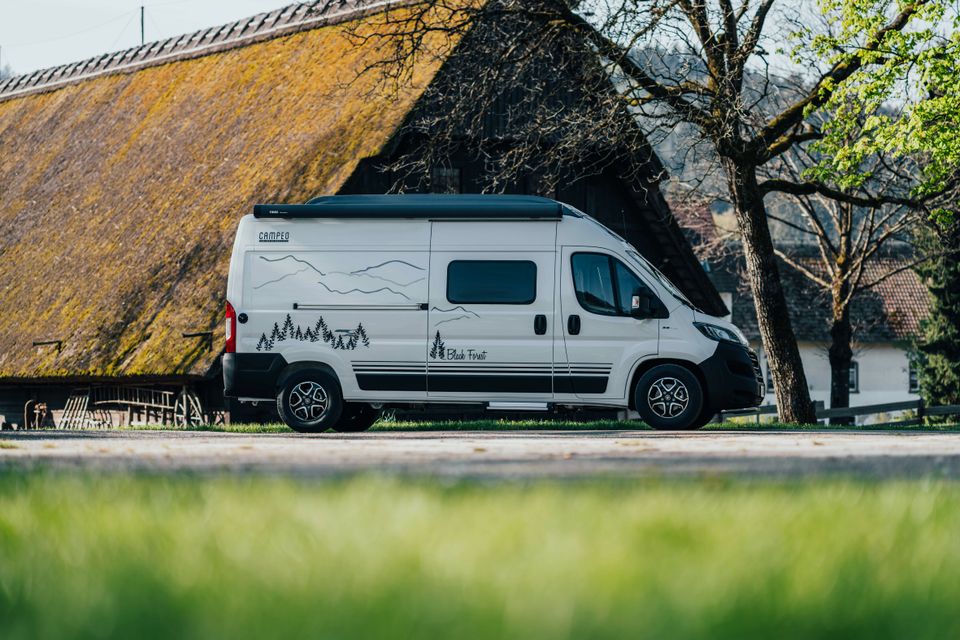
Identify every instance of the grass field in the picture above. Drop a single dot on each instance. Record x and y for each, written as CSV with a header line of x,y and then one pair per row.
x,y
105,556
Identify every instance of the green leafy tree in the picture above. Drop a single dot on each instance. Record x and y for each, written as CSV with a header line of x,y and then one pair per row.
x,y
860,74
939,344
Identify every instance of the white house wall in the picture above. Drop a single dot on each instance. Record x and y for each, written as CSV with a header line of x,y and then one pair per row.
x,y
884,375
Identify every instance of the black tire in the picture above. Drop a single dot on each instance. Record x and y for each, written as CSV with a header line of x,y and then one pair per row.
x,y
310,401
669,396
356,416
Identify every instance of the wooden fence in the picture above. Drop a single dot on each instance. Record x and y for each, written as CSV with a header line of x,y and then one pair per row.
x,y
920,412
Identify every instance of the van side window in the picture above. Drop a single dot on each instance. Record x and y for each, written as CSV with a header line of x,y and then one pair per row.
x,y
603,284
593,282
492,282
627,285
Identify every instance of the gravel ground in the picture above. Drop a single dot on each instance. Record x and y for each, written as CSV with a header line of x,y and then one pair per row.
x,y
494,454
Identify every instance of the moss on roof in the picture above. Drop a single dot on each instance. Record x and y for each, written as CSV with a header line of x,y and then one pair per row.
x,y
120,195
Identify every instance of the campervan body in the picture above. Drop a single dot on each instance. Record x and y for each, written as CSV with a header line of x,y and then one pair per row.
x,y
349,304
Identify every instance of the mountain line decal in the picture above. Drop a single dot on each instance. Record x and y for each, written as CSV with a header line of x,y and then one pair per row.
x,y
381,272
465,314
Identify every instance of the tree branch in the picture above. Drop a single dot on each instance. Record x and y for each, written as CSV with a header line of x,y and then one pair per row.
x,y
672,96
802,269
810,188
821,92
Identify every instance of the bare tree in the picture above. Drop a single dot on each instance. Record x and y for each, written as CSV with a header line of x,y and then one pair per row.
x,y
609,58
6,72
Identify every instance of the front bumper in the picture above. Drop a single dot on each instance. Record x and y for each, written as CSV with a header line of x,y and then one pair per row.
x,y
733,376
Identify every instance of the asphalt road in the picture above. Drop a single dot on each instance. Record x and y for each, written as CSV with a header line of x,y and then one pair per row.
x,y
514,454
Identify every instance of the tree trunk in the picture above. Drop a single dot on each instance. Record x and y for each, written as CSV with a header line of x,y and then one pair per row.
x,y
841,356
776,332
841,331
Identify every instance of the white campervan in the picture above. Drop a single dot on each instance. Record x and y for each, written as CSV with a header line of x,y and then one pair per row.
x,y
346,304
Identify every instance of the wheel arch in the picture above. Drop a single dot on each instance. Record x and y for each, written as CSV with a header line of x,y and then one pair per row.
x,y
645,365
305,365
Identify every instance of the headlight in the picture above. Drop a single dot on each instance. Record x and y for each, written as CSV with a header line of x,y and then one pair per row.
x,y
721,334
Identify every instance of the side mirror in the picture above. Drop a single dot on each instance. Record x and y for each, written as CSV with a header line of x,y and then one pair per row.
x,y
644,304
640,304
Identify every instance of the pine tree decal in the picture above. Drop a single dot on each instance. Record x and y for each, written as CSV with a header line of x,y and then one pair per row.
x,y
320,330
362,335
287,331
436,350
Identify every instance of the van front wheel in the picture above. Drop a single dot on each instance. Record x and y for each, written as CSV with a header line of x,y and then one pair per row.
x,y
310,401
669,396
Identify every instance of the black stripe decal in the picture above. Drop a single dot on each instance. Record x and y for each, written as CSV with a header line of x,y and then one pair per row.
x,y
473,383
494,383
392,382
580,384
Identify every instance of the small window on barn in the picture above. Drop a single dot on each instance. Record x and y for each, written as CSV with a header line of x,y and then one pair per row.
x,y
854,376
914,384
491,282
445,180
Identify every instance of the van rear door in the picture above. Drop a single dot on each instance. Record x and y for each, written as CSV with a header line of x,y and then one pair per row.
x,y
492,317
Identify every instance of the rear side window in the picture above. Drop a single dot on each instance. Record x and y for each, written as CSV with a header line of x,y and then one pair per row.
x,y
492,282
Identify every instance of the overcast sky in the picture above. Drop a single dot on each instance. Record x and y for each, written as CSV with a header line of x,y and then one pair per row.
x,y
35,34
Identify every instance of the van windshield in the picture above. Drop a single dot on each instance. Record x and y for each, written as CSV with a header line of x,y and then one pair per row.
x,y
654,273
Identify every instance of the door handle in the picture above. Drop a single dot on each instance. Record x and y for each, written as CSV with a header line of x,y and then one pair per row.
x,y
573,325
540,324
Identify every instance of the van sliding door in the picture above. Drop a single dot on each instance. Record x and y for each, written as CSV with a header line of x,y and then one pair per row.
x,y
491,318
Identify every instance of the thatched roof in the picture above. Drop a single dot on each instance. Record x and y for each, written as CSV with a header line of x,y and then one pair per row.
x,y
122,180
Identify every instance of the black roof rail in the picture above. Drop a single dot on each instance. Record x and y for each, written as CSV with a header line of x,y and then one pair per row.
x,y
423,206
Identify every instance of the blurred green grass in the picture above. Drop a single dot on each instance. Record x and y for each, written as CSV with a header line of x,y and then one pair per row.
x,y
115,556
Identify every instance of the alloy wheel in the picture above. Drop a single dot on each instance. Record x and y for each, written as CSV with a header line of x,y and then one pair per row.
x,y
308,401
668,397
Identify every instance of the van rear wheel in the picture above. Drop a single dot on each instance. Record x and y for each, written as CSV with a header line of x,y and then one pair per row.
x,y
310,401
356,416
669,396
